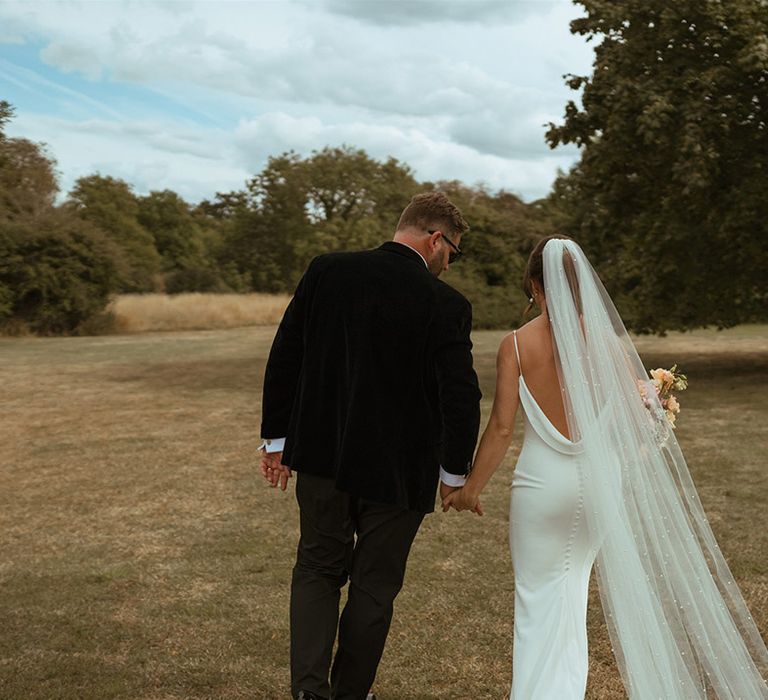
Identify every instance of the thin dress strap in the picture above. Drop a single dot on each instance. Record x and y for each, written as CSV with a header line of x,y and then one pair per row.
x,y
517,352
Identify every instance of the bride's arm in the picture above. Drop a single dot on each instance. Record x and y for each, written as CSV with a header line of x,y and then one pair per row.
x,y
497,435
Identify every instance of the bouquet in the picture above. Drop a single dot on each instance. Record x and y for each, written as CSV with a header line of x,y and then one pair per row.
x,y
664,382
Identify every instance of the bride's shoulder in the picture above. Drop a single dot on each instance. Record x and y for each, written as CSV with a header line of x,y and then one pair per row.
x,y
528,327
523,332
529,335
506,358
507,351
507,342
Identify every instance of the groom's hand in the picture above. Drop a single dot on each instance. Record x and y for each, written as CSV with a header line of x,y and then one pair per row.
x,y
274,470
445,490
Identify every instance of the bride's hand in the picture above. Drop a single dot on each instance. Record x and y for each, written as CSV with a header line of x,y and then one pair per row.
x,y
462,499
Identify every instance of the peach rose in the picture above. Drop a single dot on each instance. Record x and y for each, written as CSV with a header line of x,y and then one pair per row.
x,y
664,376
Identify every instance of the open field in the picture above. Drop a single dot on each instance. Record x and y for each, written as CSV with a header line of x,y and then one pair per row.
x,y
143,557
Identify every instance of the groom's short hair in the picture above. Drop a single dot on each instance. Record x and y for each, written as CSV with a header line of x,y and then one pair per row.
x,y
433,211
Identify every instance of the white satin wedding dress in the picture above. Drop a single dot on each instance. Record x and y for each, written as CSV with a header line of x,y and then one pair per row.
x,y
617,494
552,558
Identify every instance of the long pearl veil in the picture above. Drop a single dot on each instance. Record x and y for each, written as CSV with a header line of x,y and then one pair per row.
x,y
678,623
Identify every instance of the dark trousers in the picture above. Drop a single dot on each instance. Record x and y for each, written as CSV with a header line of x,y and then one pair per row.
x,y
344,537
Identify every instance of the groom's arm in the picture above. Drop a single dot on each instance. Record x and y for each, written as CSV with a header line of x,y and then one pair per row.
x,y
283,369
458,390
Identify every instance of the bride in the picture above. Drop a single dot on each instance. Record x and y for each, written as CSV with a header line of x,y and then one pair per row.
x,y
601,480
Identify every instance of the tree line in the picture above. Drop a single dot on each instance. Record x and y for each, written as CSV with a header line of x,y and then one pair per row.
x,y
669,197
60,263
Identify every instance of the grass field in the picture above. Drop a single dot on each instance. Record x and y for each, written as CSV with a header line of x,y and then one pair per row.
x,y
143,557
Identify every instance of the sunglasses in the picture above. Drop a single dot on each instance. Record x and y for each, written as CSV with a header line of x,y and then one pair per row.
x,y
455,254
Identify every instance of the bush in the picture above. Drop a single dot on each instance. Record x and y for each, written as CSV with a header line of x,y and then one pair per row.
x,y
194,279
56,272
493,307
102,323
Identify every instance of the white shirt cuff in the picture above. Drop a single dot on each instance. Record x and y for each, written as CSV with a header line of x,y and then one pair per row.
x,y
273,445
453,480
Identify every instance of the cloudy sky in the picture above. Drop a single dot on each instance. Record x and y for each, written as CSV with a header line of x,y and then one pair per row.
x,y
194,96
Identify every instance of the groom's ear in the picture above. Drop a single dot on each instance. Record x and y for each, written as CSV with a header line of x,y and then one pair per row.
x,y
434,237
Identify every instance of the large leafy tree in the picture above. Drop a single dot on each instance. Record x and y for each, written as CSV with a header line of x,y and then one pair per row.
x,y
296,208
342,199
28,183
175,230
56,271
670,196
259,226
186,242
111,205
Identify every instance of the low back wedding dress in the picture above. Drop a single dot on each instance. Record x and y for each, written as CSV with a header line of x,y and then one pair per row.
x,y
617,494
552,557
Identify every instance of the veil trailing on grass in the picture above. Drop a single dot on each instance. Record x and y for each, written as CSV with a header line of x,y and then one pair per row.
x,y
679,625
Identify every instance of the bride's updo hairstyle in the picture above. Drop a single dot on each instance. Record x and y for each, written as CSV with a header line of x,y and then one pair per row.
x,y
534,270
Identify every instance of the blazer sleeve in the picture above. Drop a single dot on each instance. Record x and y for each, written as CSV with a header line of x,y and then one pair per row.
x,y
283,370
458,389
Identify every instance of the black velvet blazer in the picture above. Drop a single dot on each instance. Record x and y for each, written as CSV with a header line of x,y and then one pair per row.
x,y
370,377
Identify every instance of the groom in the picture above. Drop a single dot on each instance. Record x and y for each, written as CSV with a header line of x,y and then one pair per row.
x,y
370,396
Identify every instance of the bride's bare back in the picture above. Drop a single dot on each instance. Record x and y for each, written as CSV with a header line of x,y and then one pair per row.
x,y
537,361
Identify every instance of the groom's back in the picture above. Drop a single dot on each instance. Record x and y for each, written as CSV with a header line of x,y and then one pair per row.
x,y
366,410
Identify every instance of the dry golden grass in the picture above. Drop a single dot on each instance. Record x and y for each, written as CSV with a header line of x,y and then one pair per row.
x,y
143,557
135,313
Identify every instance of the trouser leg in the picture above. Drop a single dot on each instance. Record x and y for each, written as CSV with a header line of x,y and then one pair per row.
x,y
323,563
384,538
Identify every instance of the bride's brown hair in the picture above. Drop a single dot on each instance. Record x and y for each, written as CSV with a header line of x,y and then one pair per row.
x,y
534,270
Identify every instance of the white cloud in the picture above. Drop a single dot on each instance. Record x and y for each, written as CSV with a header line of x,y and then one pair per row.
x,y
408,12
432,154
460,86
150,156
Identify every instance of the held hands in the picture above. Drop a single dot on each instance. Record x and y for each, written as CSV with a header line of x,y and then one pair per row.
x,y
460,499
273,470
